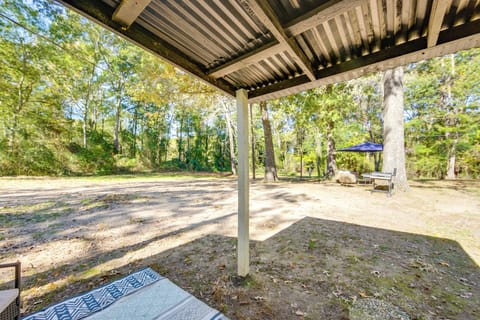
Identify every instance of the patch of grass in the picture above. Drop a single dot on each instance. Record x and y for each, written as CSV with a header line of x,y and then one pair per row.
x,y
105,201
56,225
38,235
353,259
312,244
94,205
249,282
46,216
27,208
151,176
384,247
41,234
89,273
20,215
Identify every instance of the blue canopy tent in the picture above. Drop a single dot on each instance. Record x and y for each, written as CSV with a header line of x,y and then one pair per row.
x,y
367,147
364,147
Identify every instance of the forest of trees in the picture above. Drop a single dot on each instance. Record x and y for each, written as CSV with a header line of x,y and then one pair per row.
x,y
77,99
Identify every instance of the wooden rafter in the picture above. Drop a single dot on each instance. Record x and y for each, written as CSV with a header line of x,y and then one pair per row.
x,y
375,22
437,14
339,28
128,11
265,13
101,13
251,57
309,20
362,29
449,41
320,14
322,47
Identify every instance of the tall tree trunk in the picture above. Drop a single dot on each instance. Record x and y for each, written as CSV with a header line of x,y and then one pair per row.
x,y
84,126
376,156
87,104
180,139
205,126
318,152
187,151
331,153
252,141
270,169
13,135
451,161
301,160
116,143
393,131
142,133
93,119
133,152
451,122
24,92
159,144
230,138
300,142
167,136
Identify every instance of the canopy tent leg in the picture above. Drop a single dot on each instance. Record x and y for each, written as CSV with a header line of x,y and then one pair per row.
x,y
243,184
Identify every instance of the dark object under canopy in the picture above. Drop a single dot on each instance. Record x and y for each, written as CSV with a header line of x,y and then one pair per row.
x,y
364,147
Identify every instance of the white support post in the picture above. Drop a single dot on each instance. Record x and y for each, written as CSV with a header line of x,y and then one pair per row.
x,y
243,185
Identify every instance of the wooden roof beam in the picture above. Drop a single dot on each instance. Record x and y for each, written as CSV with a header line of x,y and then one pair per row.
x,y
449,41
129,10
439,7
101,13
247,59
320,14
313,18
265,13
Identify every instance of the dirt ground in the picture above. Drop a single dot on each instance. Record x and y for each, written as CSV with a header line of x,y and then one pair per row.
x,y
318,251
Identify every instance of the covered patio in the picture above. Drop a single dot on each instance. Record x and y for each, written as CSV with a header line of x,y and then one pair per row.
x,y
259,50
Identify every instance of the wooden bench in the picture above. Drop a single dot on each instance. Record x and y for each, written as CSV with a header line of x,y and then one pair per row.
x,y
10,298
386,178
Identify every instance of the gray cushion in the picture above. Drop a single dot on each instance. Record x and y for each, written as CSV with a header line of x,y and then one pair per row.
x,y
7,297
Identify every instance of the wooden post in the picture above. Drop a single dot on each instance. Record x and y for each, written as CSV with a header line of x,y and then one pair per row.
x,y
243,187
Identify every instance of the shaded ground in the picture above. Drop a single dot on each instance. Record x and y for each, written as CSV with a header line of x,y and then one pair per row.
x,y
319,250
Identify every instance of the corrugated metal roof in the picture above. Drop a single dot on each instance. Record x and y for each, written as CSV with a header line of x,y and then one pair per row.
x,y
277,47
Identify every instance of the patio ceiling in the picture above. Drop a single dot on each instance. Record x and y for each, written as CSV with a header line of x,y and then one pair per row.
x,y
273,48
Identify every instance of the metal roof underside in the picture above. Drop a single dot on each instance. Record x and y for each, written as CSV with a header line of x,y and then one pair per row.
x,y
274,48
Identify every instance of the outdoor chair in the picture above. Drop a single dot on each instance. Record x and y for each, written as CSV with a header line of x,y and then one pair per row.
x,y
386,179
10,298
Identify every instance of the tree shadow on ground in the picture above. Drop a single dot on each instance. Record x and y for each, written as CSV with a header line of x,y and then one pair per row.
x,y
316,268
458,185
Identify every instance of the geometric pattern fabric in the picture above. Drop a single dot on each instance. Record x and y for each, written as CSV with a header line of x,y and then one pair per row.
x,y
141,295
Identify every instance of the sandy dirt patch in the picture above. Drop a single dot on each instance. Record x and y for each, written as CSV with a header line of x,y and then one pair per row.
x,y
317,248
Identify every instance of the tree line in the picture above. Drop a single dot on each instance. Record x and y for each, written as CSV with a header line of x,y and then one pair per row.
x,y
77,99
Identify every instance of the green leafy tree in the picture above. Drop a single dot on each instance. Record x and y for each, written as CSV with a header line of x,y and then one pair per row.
x,y
330,108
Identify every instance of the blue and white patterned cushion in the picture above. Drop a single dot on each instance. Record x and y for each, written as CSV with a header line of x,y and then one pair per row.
x,y
123,299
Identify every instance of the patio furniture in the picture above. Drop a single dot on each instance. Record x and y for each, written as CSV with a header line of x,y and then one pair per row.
x,y
364,180
382,181
141,295
10,298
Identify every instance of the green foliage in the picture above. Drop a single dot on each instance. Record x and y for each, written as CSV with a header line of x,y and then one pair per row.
x,y
88,102
442,105
76,99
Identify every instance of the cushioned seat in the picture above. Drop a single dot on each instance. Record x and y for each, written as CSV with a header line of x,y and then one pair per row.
x,y
7,297
10,298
